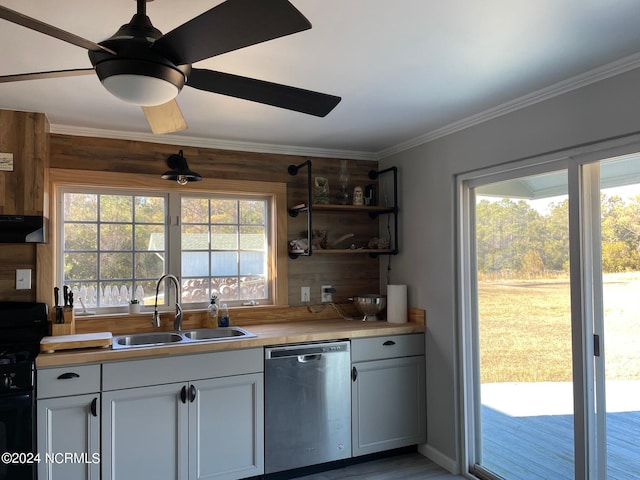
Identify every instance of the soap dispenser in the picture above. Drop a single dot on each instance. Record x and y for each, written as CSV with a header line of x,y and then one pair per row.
x,y
223,318
213,311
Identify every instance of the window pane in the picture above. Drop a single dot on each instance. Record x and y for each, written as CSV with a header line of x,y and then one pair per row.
x,y
224,237
148,265
116,237
253,288
116,266
116,208
145,291
149,237
252,238
114,293
224,263
251,263
252,212
224,211
149,210
80,207
80,266
225,288
80,236
196,290
195,237
195,264
195,210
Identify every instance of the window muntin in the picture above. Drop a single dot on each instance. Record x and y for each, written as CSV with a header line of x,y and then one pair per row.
x,y
115,246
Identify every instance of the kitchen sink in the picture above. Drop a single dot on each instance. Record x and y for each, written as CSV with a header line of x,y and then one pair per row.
x,y
146,339
189,336
217,333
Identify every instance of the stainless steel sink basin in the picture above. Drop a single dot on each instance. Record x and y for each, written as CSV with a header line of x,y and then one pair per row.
x,y
217,333
189,336
146,339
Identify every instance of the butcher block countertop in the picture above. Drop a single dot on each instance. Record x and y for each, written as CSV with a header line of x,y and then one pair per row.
x,y
267,334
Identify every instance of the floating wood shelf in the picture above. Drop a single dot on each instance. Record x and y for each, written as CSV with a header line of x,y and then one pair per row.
x,y
371,209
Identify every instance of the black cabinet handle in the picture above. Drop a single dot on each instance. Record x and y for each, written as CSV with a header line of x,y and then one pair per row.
x,y
192,393
68,375
183,394
354,373
389,343
94,407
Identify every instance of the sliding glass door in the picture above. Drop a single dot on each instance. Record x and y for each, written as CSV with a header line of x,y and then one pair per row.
x,y
550,281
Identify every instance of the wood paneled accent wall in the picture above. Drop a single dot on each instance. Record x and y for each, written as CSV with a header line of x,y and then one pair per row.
x,y
349,274
22,192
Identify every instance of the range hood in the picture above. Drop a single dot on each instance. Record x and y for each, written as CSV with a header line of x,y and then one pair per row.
x,y
22,229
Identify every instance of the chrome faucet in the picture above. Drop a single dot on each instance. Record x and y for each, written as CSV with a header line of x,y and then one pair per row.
x,y
177,321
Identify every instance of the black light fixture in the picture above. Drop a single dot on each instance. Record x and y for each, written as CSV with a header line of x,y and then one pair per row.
x,y
180,171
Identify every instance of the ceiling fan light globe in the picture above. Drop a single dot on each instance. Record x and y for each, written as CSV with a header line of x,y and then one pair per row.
x,y
140,90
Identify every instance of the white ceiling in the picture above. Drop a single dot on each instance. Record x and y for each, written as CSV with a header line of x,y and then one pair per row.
x,y
406,70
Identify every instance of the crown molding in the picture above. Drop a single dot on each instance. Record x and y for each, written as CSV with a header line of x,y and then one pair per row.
x,y
183,140
598,74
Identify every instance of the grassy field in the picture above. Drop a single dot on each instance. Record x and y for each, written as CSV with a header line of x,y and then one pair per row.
x,y
525,329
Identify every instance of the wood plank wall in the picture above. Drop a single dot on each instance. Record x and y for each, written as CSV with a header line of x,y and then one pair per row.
x,y
349,274
23,191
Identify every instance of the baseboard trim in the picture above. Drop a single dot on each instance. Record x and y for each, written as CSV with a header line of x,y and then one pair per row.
x,y
436,456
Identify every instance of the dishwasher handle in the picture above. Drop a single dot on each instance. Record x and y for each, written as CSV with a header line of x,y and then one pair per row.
x,y
308,352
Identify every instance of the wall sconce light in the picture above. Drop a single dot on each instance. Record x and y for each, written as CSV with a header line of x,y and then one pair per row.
x,y
180,171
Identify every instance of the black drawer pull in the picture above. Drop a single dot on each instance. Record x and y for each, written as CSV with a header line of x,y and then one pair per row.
x,y
66,376
183,394
192,393
94,407
388,343
354,374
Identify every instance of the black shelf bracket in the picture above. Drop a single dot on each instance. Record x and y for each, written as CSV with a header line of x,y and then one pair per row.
x,y
293,170
373,175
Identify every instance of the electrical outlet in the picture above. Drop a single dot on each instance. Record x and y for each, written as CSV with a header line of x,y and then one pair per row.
x,y
326,294
23,279
305,294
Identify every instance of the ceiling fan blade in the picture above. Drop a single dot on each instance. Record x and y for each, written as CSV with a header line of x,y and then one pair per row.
x,y
229,26
283,96
51,74
165,118
55,32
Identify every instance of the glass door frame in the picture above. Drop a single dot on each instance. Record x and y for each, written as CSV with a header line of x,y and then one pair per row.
x,y
582,169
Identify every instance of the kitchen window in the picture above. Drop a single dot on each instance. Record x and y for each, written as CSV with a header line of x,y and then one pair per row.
x,y
113,244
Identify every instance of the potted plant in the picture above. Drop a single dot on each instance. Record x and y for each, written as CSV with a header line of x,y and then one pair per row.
x,y
134,305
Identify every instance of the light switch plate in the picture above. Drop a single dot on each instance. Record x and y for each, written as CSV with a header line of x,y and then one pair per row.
x,y
23,279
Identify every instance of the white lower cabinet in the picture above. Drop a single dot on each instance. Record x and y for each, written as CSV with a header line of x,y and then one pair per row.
x,y
68,423
211,428
388,393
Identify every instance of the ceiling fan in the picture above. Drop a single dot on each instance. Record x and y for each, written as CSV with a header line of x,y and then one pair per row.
x,y
140,65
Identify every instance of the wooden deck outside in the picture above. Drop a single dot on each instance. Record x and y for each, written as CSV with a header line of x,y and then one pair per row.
x,y
528,431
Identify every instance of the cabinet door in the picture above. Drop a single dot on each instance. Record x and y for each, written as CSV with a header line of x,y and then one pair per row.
x,y
226,428
388,404
69,438
145,433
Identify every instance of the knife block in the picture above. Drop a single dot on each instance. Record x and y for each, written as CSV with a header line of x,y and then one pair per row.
x,y
66,328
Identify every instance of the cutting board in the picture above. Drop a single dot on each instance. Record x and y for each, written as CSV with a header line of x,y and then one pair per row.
x,y
81,340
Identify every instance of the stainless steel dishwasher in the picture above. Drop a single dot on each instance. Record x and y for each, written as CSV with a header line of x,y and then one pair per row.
x,y
307,405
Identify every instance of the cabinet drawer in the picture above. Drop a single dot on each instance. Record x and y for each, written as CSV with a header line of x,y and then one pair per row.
x,y
72,380
392,346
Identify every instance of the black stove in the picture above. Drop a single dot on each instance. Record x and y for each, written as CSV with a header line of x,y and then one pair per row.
x,y
22,326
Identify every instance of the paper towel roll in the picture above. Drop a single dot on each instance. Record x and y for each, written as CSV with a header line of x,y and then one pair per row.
x,y
397,303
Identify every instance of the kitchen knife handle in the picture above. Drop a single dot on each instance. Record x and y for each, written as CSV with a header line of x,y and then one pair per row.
x,y
65,295
56,295
71,299
94,407
68,375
